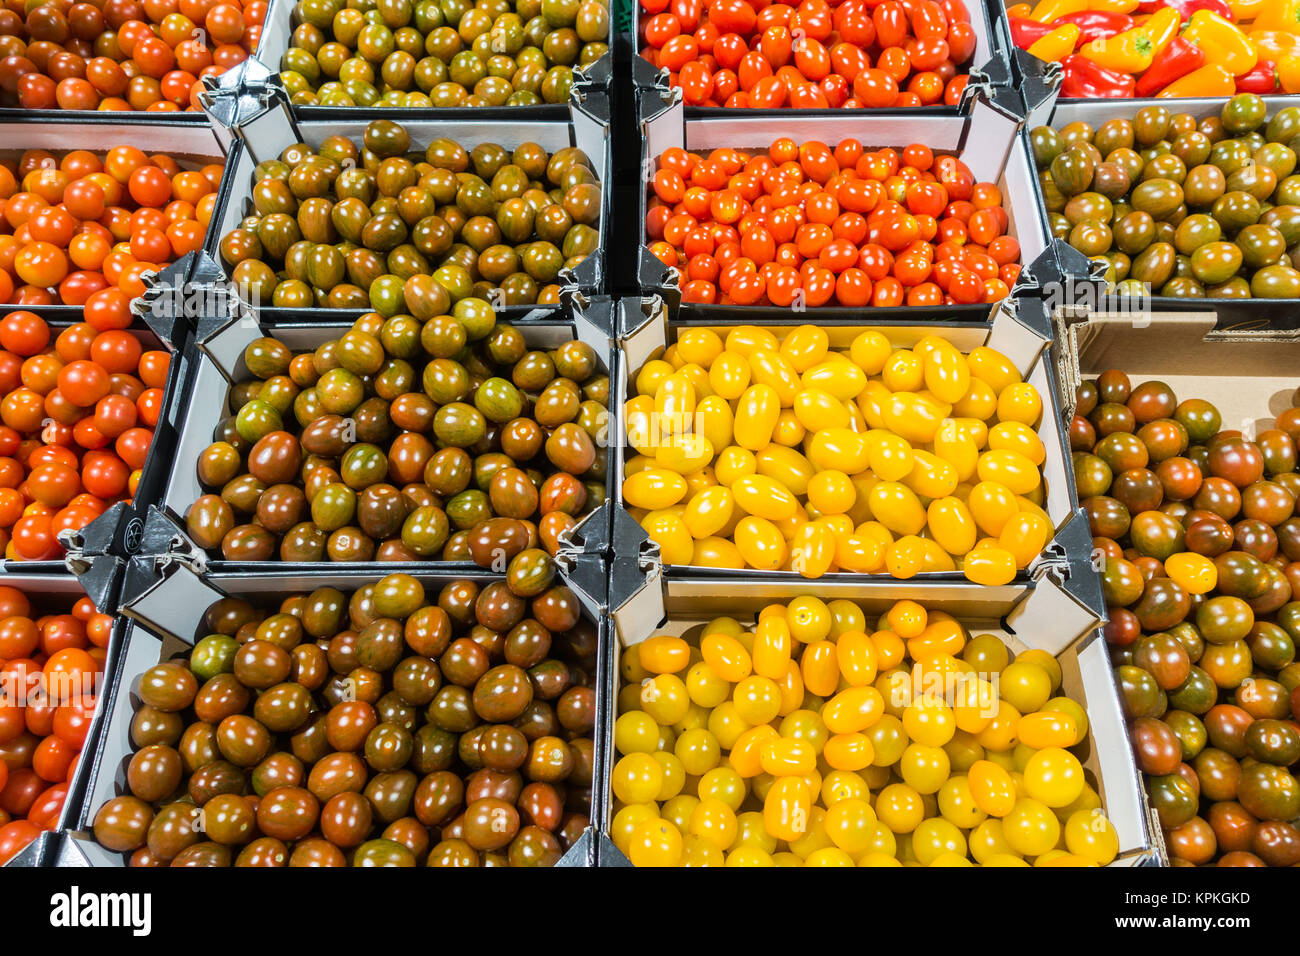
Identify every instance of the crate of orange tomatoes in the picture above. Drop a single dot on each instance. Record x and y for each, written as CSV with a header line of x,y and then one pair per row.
x,y
830,214
94,61
56,646
819,55
88,379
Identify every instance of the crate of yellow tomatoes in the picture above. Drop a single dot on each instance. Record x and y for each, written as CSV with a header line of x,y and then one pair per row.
x,y
783,451
870,723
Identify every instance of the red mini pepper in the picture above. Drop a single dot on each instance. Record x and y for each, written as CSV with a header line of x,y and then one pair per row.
x,y
1097,24
1025,33
1084,79
1186,8
1262,79
1176,60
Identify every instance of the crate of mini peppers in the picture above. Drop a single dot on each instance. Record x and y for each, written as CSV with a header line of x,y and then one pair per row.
x,y
1179,203
109,65
58,641
520,58
733,54
860,721
346,216
461,440
806,455
1185,440
829,214
1166,48
338,716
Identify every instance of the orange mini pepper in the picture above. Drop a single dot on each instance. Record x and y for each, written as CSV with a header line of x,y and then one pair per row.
x,y
1022,10
1274,44
1056,45
1209,80
1288,74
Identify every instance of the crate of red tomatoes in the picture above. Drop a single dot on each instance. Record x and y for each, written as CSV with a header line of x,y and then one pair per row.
x,y
819,55
836,213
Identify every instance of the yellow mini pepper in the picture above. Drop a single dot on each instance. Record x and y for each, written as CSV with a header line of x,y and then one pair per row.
x,y
1112,6
1056,45
1210,80
1277,15
1048,10
1223,44
1162,26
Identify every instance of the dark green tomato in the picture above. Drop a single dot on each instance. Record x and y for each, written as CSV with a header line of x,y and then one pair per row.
x,y
1197,694
1274,742
1201,419
1269,792
1275,282
468,508
1223,619
1190,731
383,853
1235,210
1173,798
333,507
459,425
1140,695
530,572
486,468
425,530
499,400
1242,577
388,748
213,655
363,465
1155,534
340,391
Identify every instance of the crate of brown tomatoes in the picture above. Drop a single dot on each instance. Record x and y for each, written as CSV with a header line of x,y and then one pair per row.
x,y
1185,456
346,718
